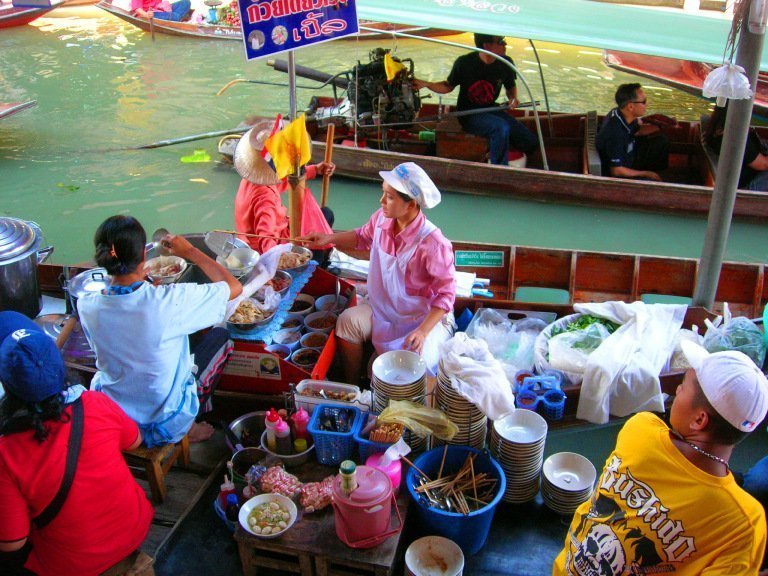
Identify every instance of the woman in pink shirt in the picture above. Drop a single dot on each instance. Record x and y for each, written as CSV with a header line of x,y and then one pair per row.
x,y
411,286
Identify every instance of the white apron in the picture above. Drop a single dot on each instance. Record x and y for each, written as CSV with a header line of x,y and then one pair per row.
x,y
395,313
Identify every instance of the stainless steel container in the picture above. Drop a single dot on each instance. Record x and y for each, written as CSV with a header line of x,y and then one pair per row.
x,y
93,280
20,253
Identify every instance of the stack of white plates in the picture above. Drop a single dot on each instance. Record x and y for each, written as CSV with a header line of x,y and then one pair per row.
x,y
400,375
567,480
472,423
517,443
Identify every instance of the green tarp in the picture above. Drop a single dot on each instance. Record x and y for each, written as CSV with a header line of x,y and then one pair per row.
x,y
672,33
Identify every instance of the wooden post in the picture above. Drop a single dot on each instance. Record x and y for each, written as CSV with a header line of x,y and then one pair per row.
x,y
296,203
328,156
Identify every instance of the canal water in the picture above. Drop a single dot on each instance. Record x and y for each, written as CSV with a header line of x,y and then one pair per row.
x,y
102,84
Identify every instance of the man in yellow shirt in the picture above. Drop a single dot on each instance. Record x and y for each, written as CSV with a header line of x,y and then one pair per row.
x,y
666,501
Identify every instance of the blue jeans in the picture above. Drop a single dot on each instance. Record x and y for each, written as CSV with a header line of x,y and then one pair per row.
x,y
502,132
178,11
759,184
756,482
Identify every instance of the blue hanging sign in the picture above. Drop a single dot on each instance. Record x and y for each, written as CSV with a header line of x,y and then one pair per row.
x,y
273,26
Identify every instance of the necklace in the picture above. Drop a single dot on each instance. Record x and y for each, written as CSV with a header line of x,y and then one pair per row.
x,y
679,436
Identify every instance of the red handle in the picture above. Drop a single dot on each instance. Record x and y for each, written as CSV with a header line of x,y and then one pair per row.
x,y
371,541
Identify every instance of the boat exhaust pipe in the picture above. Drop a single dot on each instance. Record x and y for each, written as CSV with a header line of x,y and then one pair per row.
x,y
337,80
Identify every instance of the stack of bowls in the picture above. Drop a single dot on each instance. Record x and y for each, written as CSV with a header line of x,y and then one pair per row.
x,y
472,423
517,443
400,375
567,480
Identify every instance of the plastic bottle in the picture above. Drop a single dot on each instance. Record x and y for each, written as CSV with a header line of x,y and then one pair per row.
x,y
232,511
389,462
270,421
299,445
227,488
299,422
347,471
283,438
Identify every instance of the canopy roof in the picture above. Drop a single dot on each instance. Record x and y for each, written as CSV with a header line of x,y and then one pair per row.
x,y
672,33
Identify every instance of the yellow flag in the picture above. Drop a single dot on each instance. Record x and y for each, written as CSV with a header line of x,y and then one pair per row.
x,y
288,145
391,67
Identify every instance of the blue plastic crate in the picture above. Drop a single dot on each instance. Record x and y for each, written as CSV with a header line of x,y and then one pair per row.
x,y
332,448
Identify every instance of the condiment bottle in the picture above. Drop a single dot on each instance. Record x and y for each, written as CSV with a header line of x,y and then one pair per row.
x,y
270,421
283,438
227,488
299,421
299,445
392,468
347,471
232,511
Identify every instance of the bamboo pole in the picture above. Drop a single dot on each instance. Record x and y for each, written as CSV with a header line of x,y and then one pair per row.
x,y
328,157
296,203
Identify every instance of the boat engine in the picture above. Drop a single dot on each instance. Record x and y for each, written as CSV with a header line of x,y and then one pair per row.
x,y
371,99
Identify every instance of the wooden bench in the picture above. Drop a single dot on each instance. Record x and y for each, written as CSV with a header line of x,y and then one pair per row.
x,y
592,163
152,464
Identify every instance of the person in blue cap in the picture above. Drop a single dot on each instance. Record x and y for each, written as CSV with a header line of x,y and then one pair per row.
x,y
41,506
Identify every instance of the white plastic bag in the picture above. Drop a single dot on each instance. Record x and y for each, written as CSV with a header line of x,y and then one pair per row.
x,y
569,351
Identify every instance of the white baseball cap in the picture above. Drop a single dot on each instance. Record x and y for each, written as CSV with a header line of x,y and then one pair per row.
x,y
732,383
410,179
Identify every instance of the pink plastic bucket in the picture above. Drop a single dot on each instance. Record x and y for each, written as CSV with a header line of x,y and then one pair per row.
x,y
362,517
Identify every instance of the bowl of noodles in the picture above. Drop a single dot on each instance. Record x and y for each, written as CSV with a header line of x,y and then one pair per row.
x,y
296,260
250,314
165,269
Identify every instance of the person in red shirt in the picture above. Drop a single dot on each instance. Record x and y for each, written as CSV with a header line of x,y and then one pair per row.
x,y
258,205
161,9
105,515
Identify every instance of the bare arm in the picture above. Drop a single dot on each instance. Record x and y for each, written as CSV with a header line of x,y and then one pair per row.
x,y
760,163
512,97
436,87
180,246
345,240
136,443
624,172
415,340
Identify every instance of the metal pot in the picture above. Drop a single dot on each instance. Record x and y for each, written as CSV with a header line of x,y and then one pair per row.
x,y
93,280
20,253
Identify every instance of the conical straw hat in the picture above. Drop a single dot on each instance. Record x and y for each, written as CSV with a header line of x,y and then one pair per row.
x,y
248,161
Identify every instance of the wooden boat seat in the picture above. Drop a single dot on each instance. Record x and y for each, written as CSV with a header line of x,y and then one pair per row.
x,y
592,164
452,142
152,464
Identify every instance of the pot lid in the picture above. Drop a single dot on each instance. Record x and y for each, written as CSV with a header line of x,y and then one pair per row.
x,y
16,237
373,486
76,348
93,280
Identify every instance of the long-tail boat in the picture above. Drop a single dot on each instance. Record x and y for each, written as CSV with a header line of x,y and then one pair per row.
x,y
11,15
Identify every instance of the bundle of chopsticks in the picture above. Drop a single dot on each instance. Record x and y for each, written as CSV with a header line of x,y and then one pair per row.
x,y
462,492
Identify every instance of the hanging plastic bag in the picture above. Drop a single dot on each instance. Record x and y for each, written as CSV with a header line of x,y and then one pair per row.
x,y
568,351
419,419
678,360
740,333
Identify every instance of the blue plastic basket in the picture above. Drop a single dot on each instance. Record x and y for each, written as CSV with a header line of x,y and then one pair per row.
x,y
366,447
331,448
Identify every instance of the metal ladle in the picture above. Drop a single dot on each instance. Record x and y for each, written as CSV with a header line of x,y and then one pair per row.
x,y
157,241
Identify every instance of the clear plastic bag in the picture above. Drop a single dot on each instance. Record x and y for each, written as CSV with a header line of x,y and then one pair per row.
x,y
419,419
568,351
740,333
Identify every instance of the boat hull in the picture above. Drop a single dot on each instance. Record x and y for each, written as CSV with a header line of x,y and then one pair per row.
x,y
14,107
11,17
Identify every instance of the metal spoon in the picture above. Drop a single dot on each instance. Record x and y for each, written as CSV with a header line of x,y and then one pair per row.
x,y
157,241
335,304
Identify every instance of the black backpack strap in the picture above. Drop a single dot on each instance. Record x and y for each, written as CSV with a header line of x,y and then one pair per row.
x,y
73,451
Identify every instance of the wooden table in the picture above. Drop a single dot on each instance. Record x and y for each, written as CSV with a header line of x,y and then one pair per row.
x,y
312,548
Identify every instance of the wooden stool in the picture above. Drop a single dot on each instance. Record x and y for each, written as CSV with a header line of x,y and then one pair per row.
x,y
152,464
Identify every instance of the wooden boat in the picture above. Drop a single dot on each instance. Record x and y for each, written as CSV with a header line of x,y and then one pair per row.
x,y
13,107
682,74
455,161
11,15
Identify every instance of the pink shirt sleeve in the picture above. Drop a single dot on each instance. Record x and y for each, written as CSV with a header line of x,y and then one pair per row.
x,y
365,232
431,272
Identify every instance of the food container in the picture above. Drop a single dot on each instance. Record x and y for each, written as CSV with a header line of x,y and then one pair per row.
x,y
305,358
281,278
295,321
288,337
88,282
240,261
278,350
303,304
306,252
245,326
334,446
434,555
20,254
247,429
289,460
320,322
328,302
283,501
153,265
309,393
314,340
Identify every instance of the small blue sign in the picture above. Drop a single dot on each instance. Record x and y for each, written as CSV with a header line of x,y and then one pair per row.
x,y
273,26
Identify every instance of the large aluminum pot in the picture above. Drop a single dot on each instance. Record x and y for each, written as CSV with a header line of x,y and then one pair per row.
x,y
20,253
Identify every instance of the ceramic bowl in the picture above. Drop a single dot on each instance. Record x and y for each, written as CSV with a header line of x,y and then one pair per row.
x,y
154,264
521,427
288,337
294,321
399,367
569,471
327,302
434,555
305,358
303,304
320,322
278,350
314,340
283,501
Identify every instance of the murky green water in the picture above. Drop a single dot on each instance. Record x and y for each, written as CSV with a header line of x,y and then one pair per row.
x,y
102,84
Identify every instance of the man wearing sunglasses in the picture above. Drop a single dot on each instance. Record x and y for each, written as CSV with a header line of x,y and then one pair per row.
x,y
628,147
480,77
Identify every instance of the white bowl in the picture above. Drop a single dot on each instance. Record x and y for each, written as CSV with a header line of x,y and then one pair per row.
x,y
328,318
314,336
163,261
240,261
292,316
327,302
399,367
569,471
288,337
303,298
434,556
521,427
284,502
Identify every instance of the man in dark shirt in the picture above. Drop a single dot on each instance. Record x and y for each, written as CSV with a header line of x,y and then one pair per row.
x,y
754,165
629,148
480,77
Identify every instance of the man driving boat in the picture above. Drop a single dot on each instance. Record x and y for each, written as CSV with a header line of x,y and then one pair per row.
x,y
480,77
411,285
